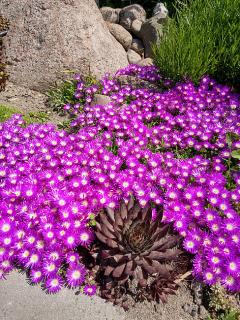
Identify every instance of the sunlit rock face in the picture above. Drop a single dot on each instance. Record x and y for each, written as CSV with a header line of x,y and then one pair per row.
x,y
48,37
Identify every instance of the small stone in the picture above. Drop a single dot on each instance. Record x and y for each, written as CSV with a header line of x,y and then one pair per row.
x,y
130,13
109,14
194,311
197,300
202,311
118,10
145,62
121,35
137,46
160,8
197,292
186,307
136,26
100,99
133,57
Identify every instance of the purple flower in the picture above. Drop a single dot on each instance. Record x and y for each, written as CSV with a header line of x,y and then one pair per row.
x,y
90,290
53,284
76,275
36,275
85,236
168,148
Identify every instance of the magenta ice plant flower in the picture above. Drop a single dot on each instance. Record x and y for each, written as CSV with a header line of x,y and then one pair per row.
x,y
169,148
76,275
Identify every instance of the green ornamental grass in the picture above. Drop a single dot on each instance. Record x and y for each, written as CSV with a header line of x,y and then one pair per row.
x,y
203,38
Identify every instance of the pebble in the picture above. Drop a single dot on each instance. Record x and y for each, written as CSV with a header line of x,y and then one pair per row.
x,y
194,311
202,311
198,301
186,307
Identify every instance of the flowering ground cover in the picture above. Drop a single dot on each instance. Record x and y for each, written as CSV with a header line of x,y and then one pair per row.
x,y
176,149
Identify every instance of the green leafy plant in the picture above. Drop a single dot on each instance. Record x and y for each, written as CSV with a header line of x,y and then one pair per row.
x,y
6,112
222,305
65,125
39,117
62,95
32,117
236,154
203,38
232,315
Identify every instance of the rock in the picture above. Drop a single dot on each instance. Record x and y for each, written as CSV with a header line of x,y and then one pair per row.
x,y
197,292
137,83
131,13
160,8
203,313
151,32
197,300
48,37
110,14
194,311
145,62
133,57
137,46
187,307
136,26
118,10
121,35
100,99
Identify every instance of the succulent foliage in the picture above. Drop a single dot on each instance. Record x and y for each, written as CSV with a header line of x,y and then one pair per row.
x,y
140,249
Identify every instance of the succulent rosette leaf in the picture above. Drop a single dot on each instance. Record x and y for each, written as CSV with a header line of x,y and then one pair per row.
x,y
135,247
161,287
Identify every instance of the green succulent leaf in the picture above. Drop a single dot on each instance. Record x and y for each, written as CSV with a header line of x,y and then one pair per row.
x,y
231,137
236,154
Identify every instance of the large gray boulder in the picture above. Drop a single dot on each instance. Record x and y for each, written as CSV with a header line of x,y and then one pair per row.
x,y
48,37
151,32
130,13
120,34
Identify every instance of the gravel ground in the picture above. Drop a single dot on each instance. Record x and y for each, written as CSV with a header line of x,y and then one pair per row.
x,y
21,301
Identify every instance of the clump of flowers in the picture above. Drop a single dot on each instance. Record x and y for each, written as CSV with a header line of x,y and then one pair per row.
x,y
148,73
173,149
169,148
44,212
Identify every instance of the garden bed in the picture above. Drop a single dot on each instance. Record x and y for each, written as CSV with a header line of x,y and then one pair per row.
x,y
158,146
